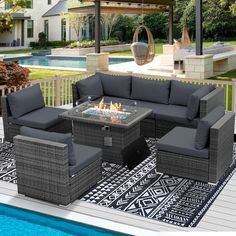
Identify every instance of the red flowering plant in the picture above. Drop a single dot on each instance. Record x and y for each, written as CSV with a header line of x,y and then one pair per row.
x,y
13,75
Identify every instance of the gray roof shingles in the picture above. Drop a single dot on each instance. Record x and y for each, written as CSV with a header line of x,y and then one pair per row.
x,y
59,8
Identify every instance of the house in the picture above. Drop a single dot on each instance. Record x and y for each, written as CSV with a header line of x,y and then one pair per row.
x,y
39,16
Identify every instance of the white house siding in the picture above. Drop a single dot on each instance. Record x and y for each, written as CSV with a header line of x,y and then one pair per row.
x,y
7,38
39,8
54,26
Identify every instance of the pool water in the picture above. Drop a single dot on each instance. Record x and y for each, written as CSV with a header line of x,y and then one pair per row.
x,y
19,222
66,62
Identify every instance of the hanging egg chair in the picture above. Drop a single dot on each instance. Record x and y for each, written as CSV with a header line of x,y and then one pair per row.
x,y
143,53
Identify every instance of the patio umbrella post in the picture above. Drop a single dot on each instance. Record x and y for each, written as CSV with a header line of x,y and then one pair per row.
x,y
199,39
97,26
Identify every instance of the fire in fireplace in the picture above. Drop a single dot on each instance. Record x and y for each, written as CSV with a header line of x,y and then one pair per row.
x,y
112,110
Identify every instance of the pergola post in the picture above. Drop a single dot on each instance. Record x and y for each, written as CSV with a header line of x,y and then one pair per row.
x,y
171,25
97,25
199,36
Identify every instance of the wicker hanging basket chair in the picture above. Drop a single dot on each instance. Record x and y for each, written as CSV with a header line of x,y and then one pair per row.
x,y
143,53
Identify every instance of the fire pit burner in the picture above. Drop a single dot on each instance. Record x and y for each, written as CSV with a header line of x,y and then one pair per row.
x,y
107,110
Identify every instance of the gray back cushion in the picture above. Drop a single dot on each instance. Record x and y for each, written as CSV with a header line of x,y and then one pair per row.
x,y
25,101
51,136
180,92
92,86
194,102
150,90
116,85
204,125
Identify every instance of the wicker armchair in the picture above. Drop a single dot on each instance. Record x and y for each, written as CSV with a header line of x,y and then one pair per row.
x,y
43,171
11,130
208,169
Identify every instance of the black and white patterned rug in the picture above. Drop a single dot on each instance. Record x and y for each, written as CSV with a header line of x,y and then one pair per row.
x,y
142,191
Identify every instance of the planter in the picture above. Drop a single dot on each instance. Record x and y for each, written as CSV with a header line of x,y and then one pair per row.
x,y
85,51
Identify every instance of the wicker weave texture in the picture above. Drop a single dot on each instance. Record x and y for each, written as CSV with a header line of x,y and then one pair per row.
x,y
208,170
182,165
221,146
43,171
93,135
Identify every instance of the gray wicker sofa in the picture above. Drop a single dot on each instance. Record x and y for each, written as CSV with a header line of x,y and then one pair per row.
x,y
171,101
52,168
204,153
27,108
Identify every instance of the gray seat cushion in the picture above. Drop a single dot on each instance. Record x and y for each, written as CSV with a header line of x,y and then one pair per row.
x,y
150,90
40,119
151,105
51,136
25,101
85,155
194,102
174,113
116,86
92,86
203,129
180,92
181,141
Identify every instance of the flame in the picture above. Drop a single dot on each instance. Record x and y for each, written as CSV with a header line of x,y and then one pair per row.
x,y
112,107
115,107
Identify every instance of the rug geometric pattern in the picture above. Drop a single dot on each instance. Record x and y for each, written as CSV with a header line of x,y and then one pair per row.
x,y
142,191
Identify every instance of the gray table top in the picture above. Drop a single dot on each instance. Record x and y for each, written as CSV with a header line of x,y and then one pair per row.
x,y
132,115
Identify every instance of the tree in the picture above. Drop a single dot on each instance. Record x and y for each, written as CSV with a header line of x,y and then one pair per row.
x,y
109,21
231,4
6,16
77,22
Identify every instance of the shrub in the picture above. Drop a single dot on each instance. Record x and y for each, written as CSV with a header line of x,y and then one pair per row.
x,y
91,43
12,74
50,44
42,39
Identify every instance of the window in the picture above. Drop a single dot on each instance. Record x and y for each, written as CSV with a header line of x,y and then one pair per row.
x,y
29,3
46,28
63,29
30,28
49,2
8,5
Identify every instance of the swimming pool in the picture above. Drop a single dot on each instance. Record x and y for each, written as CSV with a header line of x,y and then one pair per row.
x,y
18,222
66,62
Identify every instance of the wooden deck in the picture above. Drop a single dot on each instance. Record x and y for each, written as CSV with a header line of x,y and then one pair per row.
x,y
220,217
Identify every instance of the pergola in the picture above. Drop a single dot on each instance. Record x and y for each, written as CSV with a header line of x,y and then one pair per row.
x,y
139,7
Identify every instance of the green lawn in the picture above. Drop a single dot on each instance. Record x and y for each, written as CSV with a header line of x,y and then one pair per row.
x,y
158,49
24,51
45,73
227,76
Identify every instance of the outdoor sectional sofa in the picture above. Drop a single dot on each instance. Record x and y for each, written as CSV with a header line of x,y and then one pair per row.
x,y
27,108
174,103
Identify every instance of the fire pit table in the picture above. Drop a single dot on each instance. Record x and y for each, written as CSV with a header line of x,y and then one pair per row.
x,y
108,126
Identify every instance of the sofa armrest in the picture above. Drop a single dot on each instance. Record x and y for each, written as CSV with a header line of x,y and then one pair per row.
x,y
211,101
42,158
42,169
221,146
